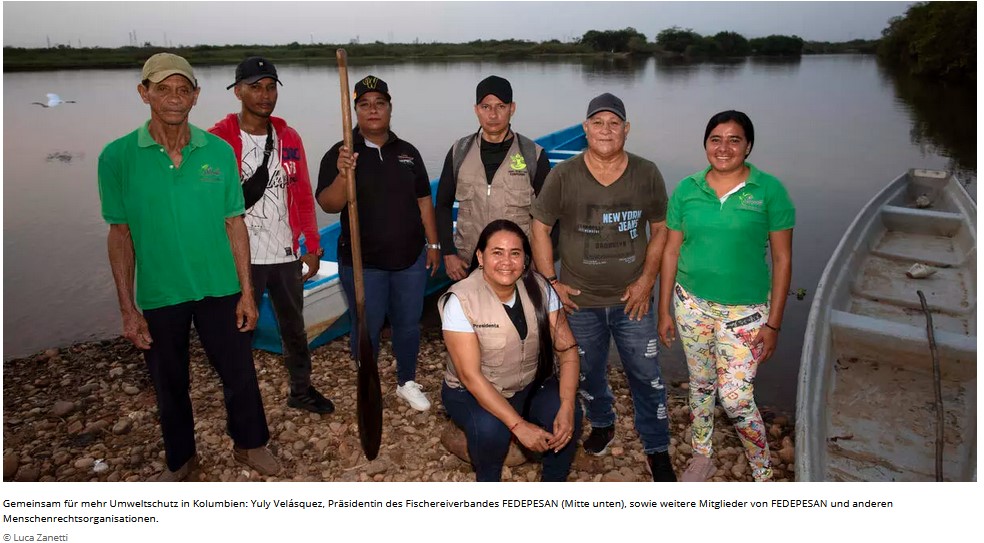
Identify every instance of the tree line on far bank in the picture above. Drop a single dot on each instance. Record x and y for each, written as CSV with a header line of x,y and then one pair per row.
x,y
685,43
672,42
933,40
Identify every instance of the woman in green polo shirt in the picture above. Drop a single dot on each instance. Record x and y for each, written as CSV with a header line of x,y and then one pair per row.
x,y
728,306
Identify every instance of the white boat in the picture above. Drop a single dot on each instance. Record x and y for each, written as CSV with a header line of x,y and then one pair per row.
x,y
866,406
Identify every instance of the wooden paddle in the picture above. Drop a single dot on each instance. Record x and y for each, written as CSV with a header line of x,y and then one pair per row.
x,y
369,399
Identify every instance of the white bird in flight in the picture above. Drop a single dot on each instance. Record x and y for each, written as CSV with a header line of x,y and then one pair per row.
x,y
53,100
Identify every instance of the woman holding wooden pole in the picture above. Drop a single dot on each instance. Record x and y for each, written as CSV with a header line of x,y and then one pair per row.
x,y
398,229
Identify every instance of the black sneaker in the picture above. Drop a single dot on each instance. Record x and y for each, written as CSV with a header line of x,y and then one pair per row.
x,y
311,400
660,467
599,439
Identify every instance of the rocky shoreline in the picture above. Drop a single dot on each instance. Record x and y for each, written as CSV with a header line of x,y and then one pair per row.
x,y
88,413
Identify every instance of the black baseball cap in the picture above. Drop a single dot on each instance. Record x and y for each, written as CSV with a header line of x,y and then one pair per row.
x,y
606,102
496,86
371,83
254,69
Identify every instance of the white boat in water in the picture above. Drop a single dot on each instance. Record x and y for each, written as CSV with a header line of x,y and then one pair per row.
x,y
866,407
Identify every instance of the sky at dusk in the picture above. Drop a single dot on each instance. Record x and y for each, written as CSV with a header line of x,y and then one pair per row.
x,y
178,23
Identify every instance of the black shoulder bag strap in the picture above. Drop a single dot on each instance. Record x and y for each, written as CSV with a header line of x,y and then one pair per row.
x,y
254,187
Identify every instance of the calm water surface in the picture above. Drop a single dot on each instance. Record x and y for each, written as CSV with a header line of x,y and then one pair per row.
x,y
832,128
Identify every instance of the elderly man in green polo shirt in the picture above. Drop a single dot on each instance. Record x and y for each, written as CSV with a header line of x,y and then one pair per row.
x,y
170,193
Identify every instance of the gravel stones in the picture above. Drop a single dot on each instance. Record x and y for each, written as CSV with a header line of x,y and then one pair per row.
x,y
65,421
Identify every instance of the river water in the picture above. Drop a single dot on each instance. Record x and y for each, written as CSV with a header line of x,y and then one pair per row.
x,y
835,129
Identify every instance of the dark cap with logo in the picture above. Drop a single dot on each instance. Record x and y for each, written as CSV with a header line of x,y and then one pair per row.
x,y
606,102
496,86
254,69
371,83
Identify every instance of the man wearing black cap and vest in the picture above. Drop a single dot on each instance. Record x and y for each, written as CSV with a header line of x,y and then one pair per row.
x,y
397,227
604,198
279,210
493,174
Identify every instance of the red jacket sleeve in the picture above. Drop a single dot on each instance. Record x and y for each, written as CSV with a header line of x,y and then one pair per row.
x,y
307,222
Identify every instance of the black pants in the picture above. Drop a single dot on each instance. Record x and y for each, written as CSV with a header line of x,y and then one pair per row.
x,y
231,355
283,281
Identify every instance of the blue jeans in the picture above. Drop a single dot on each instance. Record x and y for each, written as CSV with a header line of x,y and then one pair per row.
x,y
398,295
638,346
488,438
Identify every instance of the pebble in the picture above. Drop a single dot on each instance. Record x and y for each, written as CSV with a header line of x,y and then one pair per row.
x,y
27,474
117,423
11,461
84,463
62,408
122,426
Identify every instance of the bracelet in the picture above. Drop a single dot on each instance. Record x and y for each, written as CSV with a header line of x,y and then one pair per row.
x,y
513,427
769,326
434,246
552,279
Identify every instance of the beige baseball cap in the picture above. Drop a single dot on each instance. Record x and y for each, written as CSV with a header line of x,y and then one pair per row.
x,y
163,65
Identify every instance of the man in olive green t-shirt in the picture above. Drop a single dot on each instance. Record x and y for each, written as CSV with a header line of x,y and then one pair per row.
x,y
604,199
171,195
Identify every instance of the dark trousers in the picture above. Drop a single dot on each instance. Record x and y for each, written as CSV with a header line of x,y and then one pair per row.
x,y
231,355
399,295
488,438
283,282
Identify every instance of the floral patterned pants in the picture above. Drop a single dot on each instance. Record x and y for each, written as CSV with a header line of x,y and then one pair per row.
x,y
717,340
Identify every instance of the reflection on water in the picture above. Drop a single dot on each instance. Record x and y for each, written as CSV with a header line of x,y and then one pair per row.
x,y
616,69
830,127
944,117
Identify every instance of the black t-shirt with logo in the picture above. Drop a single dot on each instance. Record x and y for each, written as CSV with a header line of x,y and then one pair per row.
x,y
388,182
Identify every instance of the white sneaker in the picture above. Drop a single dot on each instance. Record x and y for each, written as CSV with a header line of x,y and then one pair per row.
x,y
412,393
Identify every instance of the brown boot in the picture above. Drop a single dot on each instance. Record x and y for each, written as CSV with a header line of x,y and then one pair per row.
x,y
182,473
260,459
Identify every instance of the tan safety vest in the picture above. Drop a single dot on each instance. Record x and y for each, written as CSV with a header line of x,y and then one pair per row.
x,y
507,362
509,196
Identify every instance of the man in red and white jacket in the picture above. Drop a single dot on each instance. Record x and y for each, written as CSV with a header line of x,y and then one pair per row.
x,y
279,209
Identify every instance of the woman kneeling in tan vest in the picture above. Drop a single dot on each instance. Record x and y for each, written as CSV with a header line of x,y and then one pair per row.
x,y
501,380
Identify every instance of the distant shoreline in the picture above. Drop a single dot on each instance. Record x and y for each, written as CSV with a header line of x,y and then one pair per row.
x,y
68,58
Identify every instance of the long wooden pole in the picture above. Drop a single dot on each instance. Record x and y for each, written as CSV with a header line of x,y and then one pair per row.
x,y
937,392
369,400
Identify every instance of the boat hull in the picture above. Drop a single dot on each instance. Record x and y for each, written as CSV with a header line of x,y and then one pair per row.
x,y
866,407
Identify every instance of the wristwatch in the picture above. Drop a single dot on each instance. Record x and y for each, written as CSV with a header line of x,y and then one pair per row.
x,y
434,246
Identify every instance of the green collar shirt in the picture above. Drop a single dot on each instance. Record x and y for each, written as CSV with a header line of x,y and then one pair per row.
x,y
722,258
176,215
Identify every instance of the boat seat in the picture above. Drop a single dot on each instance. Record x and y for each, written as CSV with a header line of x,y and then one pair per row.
x,y
862,337
921,221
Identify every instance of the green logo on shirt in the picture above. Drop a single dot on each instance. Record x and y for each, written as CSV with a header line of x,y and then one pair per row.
x,y
747,201
209,174
517,162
